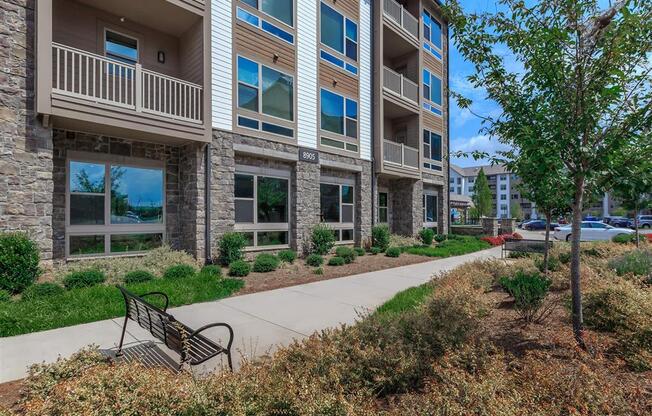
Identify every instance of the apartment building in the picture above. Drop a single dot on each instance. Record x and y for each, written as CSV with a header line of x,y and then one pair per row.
x,y
503,186
135,124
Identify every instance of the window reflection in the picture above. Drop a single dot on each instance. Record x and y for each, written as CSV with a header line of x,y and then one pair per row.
x,y
136,195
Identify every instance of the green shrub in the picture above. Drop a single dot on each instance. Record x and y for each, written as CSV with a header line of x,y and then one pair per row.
x,y
322,239
380,237
627,238
564,257
266,263
138,276
239,268
319,271
440,238
426,235
375,250
212,270
637,262
179,271
314,260
518,255
359,251
393,252
336,261
4,296
346,253
231,248
83,279
553,264
287,256
529,291
19,259
42,290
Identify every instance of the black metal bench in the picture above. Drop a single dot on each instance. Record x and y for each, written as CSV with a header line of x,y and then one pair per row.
x,y
524,246
193,347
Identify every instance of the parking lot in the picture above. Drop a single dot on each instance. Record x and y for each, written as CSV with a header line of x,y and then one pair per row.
x,y
541,235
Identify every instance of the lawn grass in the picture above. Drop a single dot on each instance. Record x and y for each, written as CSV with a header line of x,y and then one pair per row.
x,y
405,300
100,302
452,247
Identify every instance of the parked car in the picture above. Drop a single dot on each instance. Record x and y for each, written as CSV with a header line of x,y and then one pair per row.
x,y
616,221
591,218
522,225
539,225
591,231
644,221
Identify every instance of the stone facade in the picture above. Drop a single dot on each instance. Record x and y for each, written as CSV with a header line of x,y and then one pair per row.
x,y
26,182
304,185
489,226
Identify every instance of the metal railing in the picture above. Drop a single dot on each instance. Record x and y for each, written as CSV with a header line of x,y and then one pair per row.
x,y
400,85
402,17
92,77
400,154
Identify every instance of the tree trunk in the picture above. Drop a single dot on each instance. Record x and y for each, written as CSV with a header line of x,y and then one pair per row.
x,y
546,250
638,243
576,288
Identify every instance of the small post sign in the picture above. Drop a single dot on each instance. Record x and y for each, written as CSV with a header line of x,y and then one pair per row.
x,y
308,155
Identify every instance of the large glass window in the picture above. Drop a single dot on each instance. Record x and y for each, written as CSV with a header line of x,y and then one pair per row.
x,y
134,196
432,87
277,97
432,30
429,208
282,10
338,114
339,33
432,145
383,207
262,209
337,209
120,47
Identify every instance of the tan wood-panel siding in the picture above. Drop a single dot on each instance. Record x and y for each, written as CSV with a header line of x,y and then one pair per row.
x,y
346,84
433,64
432,122
262,47
349,7
192,54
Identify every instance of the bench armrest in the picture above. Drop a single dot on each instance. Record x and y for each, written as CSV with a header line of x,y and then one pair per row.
x,y
227,326
167,300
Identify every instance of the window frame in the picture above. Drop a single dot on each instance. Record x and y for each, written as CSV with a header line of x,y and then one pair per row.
x,y
256,227
426,223
260,10
429,39
429,85
339,136
428,156
339,226
383,207
108,229
113,56
337,54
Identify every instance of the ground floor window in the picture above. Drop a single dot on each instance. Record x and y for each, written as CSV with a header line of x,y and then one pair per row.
x,y
262,204
429,209
383,207
114,207
338,209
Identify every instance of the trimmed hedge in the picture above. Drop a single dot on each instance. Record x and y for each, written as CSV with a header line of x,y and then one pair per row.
x,y
138,276
322,239
336,261
346,253
179,271
426,235
287,256
83,278
380,236
239,268
314,260
359,251
231,247
393,252
19,262
266,263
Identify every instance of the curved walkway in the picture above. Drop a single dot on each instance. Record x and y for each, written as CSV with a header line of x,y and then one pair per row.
x,y
261,321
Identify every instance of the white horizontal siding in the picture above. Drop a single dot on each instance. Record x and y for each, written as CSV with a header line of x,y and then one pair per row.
x,y
365,79
307,73
222,64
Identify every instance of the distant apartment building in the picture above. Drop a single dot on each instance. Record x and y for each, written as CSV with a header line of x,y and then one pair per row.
x,y
503,186
132,124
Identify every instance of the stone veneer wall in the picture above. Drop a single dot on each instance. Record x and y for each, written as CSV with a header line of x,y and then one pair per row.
x,y
304,200
184,209
25,146
407,204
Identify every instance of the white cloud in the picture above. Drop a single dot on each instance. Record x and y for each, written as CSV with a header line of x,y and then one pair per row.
x,y
479,143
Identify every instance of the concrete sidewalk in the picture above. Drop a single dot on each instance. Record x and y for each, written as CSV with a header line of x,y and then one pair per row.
x,y
261,321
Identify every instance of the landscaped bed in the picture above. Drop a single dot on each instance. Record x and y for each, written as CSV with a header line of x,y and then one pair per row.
x,y
84,291
466,343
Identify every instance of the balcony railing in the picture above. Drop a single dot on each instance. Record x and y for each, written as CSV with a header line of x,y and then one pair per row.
x,y
400,154
399,84
92,77
402,17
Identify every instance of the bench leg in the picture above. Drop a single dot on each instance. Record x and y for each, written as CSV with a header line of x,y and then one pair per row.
x,y
122,337
228,358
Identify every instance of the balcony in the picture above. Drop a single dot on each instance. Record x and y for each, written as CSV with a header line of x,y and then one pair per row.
x,y
400,155
401,94
96,79
404,20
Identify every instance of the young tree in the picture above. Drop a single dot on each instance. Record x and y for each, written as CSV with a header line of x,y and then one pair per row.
x,y
482,195
584,73
516,210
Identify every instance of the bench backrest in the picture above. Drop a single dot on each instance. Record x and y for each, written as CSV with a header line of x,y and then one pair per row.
x,y
160,324
526,246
